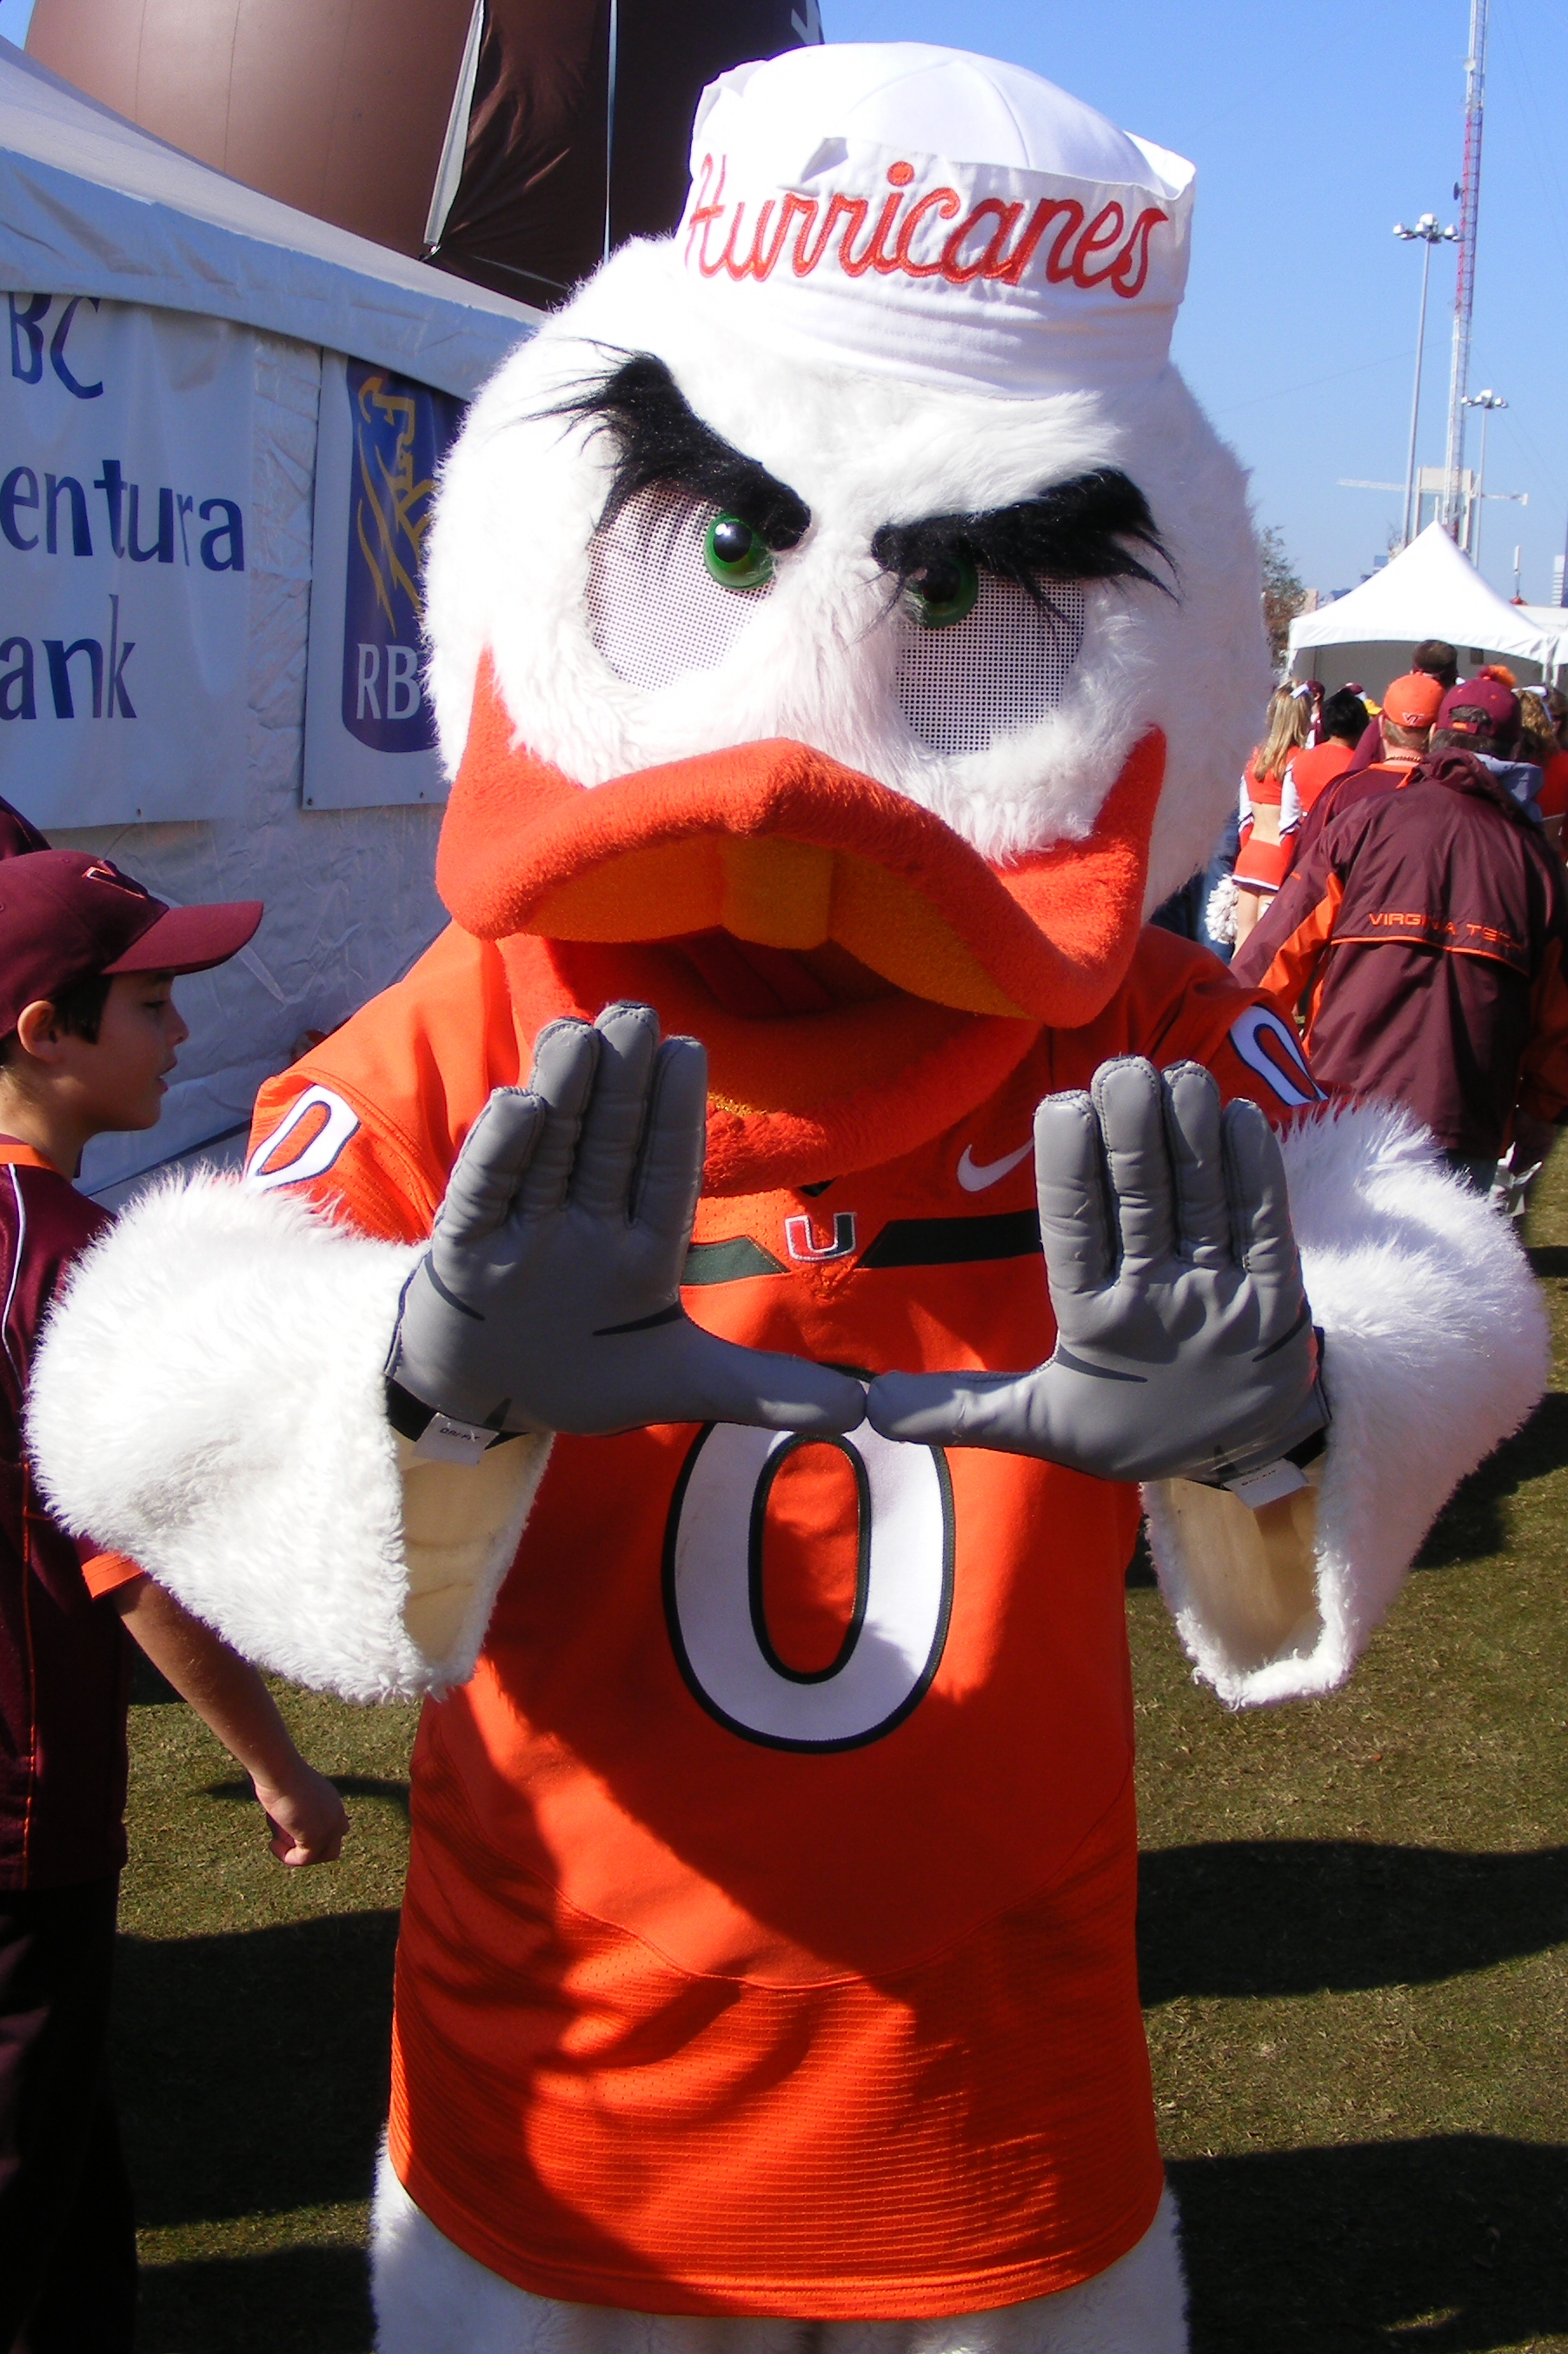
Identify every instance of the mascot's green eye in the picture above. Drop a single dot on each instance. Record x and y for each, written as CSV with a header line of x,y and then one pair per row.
x,y
943,592
736,555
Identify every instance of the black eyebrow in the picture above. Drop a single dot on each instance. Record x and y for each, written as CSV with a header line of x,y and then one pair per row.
x,y
1076,530
659,438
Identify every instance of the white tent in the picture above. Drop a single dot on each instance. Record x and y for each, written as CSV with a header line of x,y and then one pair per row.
x,y
1431,589
1552,621
160,246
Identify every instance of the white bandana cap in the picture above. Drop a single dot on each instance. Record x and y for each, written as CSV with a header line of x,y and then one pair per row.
x,y
935,216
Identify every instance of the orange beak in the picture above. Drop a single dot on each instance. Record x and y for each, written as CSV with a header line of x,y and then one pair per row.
x,y
780,846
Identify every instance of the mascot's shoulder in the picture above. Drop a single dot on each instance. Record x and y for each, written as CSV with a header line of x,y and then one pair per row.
x,y
1173,982
400,1084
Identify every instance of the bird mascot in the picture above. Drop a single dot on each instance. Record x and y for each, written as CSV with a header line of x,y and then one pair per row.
x,y
713,1327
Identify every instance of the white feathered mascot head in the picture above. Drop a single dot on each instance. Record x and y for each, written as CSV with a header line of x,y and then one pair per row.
x,y
845,623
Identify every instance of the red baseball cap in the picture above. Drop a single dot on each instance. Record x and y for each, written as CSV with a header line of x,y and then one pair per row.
x,y
65,917
1489,694
1412,701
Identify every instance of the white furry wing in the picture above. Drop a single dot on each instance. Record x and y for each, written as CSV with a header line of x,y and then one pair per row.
x,y
208,1400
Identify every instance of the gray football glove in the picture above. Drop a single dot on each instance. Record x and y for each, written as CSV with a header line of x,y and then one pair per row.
x,y
550,1295
1185,1347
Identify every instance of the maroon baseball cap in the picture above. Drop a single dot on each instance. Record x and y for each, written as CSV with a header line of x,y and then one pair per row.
x,y
1489,694
65,917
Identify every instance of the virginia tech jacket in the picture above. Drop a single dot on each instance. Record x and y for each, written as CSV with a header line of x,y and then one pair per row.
x,y
1424,932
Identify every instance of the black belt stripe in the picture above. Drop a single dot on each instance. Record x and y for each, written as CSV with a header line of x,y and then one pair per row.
x,y
729,1262
904,1241
954,1242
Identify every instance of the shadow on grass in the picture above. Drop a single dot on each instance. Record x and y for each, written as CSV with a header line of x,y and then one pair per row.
x,y
348,1785
252,2069
1294,1916
1451,2245
1471,1525
298,2301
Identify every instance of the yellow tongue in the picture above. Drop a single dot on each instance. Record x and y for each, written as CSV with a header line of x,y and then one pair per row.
x,y
778,895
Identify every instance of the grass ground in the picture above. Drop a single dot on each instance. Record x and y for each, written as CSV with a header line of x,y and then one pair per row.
x,y
1355,1953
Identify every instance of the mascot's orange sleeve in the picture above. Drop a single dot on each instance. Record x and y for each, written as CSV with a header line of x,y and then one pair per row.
x,y
768,1944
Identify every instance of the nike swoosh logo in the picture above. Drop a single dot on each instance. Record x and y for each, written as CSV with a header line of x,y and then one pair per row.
x,y
974,1176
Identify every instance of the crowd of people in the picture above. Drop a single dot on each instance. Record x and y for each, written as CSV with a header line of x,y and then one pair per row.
x,y
1394,882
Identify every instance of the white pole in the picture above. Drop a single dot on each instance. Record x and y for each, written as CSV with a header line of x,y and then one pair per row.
x,y
1465,282
1481,488
1429,234
1406,535
1486,402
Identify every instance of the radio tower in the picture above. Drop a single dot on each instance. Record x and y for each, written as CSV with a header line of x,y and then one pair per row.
x,y
1469,193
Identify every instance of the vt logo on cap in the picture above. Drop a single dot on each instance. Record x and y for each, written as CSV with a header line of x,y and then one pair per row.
x,y
99,871
65,918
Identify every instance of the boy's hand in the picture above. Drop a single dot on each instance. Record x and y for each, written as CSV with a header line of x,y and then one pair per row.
x,y
307,1818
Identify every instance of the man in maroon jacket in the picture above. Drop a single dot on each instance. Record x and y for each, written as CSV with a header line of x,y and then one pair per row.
x,y
1404,730
87,1031
1424,931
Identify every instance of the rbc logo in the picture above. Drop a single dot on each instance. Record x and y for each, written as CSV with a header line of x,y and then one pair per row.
x,y
402,432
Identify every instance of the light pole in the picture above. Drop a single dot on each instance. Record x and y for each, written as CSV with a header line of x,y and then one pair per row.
x,y
1427,231
1486,402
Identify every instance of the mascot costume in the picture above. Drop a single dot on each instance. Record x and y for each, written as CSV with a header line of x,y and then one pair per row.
x,y
844,628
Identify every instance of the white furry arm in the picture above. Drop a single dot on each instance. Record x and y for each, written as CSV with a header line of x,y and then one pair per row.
x,y
208,1400
1436,1348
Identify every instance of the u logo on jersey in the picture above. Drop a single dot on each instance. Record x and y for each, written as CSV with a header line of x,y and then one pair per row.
x,y
1268,1045
730,1514
801,1237
313,1131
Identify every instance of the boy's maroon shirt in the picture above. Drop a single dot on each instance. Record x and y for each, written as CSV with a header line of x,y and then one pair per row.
x,y
64,1658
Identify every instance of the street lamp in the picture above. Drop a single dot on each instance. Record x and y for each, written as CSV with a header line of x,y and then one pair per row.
x,y
1486,402
1429,233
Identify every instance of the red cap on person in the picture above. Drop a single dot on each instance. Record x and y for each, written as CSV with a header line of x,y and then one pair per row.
x,y
65,917
1499,704
1413,701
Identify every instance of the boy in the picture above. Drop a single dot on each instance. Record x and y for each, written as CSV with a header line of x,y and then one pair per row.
x,y
87,1036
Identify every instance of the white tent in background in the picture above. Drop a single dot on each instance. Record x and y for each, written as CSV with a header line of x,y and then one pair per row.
x,y
1431,589
1553,619
208,325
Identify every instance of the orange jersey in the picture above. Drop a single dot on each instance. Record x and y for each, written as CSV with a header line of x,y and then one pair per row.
x,y
768,1944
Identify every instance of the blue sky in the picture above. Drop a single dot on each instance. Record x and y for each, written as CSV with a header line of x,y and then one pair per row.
x,y
1315,126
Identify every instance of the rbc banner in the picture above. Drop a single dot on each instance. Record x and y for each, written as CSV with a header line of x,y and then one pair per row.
x,y
125,539
369,735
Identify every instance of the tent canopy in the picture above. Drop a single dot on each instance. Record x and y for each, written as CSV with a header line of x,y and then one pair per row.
x,y
93,207
1551,619
1431,589
89,205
